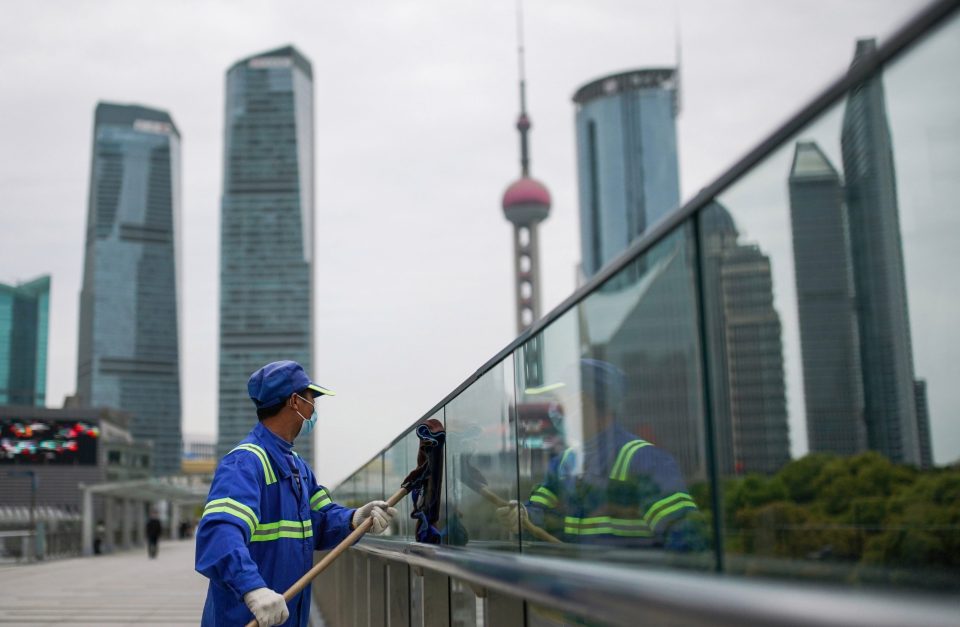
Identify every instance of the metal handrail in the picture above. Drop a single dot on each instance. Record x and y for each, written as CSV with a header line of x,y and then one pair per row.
x,y
925,21
626,596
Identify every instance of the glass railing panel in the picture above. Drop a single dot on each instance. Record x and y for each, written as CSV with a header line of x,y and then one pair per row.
x,y
831,339
371,476
346,493
397,462
611,431
481,469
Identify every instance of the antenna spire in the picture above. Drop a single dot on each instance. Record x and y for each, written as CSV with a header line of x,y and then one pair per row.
x,y
678,39
523,122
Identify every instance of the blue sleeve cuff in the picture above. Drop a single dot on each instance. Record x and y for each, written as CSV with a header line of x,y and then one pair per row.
x,y
247,582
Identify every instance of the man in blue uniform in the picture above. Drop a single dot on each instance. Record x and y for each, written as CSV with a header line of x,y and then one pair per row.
x,y
616,488
266,513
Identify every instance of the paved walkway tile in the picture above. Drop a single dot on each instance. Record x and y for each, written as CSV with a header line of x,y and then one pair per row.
x,y
125,588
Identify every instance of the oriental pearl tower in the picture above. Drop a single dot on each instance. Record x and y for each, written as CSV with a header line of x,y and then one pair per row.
x,y
526,203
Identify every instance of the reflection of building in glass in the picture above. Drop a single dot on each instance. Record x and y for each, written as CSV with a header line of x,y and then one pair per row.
x,y
128,353
23,342
745,348
266,247
886,356
626,160
923,423
825,300
648,329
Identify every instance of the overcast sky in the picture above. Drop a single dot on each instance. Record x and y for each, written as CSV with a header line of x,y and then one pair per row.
x,y
415,105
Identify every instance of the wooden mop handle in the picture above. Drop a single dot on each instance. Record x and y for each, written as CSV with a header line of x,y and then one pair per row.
x,y
334,553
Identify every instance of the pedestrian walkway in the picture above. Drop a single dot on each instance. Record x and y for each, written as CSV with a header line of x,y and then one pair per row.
x,y
120,589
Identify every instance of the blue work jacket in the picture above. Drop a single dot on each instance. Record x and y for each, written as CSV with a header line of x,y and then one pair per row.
x,y
617,489
264,517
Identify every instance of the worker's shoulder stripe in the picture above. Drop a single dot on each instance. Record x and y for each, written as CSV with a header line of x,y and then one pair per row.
x,y
268,474
235,509
622,465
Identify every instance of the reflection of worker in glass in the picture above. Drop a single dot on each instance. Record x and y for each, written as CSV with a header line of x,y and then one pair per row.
x,y
616,488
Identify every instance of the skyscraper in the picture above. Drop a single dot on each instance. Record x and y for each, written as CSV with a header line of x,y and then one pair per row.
x,y
745,349
128,356
266,244
23,342
829,335
626,160
886,356
628,179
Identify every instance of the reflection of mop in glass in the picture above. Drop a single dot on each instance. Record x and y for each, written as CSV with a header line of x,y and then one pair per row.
x,y
474,479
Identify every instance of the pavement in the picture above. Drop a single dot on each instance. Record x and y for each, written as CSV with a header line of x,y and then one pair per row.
x,y
126,588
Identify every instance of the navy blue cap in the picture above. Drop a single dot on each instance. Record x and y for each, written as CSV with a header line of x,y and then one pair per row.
x,y
277,381
603,381
600,379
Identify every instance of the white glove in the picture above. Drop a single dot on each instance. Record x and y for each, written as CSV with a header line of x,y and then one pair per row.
x,y
267,606
512,516
379,511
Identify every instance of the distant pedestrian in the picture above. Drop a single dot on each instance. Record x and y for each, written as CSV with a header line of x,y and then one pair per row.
x,y
154,529
98,538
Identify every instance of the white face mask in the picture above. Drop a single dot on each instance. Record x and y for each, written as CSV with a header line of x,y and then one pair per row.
x,y
311,422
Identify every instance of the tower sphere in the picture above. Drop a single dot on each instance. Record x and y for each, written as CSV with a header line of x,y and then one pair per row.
x,y
526,201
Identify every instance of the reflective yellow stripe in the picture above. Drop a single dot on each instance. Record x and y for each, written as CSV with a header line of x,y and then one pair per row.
x,y
600,525
296,529
320,500
622,465
321,494
667,506
594,520
234,508
264,460
544,496
607,530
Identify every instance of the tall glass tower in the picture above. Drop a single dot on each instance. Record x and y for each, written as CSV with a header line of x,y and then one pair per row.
x,y
266,226
128,355
886,355
23,342
628,179
626,160
826,304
